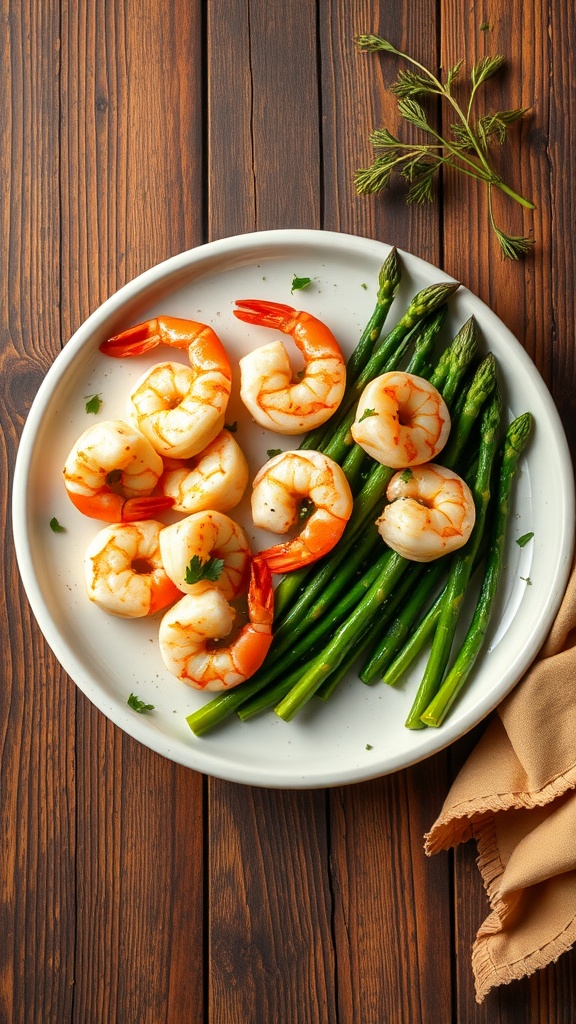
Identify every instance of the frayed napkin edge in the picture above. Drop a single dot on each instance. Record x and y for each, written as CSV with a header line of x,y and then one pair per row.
x,y
459,823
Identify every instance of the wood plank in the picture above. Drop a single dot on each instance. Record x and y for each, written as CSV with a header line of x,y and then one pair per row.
x,y
36,702
131,173
391,904
271,955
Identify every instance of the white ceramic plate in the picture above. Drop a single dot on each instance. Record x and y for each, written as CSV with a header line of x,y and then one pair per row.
x,y
359,733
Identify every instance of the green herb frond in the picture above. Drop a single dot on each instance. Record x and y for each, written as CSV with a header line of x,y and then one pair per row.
x,y
371,43
514,247
453,73
420,190
485,68
368,180
381,138
410,84
497,124
413,112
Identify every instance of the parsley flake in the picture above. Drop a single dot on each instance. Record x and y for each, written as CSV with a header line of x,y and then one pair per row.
x,y
93,403
522,541
366,414
55,526
369,746
138,705
527,580
298,283
406,475
273,451
197,570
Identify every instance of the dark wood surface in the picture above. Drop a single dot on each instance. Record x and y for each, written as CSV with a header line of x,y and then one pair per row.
x,y
134,890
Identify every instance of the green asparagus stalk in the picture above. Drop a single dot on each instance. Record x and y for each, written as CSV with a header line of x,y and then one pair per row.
x,y
460,570
337,647
388,283
394,638
515,443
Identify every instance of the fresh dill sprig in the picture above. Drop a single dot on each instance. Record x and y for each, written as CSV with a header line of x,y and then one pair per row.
x,y
466,149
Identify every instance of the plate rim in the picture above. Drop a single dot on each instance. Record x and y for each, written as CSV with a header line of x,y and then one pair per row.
x,y
276,239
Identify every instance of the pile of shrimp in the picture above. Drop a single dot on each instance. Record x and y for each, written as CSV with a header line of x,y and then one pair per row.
x,y
173,453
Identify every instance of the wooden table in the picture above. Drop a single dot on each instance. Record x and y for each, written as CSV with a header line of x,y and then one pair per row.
x,y
134,890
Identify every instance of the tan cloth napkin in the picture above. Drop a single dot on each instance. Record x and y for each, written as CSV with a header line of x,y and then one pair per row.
x,y
516,796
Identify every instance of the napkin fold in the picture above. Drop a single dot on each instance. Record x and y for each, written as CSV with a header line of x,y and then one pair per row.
x,y
516,796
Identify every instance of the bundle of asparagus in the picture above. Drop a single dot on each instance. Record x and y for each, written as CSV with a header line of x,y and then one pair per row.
x,y
363,599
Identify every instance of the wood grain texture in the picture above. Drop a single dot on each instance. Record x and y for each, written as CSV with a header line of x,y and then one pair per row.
x,y
36,702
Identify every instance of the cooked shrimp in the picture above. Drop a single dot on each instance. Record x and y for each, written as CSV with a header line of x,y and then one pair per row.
x,y
401,420
267,385
124,573
281,487
214,479
189,632
203,536
179,408
431,513
110,473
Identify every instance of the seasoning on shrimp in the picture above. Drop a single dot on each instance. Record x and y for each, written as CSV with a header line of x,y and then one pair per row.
x,y
280,488
204,536
268,387
179,408
215,479
197,640
401,420
123,570
111,472
431,513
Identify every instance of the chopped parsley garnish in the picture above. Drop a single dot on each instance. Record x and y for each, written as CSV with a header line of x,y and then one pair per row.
x,y
197,570
273,451
366,414
298,283
406,475
138,705
93,403
527,580
55,526
523,540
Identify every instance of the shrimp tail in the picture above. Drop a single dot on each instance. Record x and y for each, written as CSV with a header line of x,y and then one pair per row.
x,y
163,330
319,537
261,593
113,508
265,314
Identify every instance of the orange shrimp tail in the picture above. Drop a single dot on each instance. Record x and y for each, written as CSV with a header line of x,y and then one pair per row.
x,y
162,593
264,314
319,537
113,508
260,593
251,649
162,330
